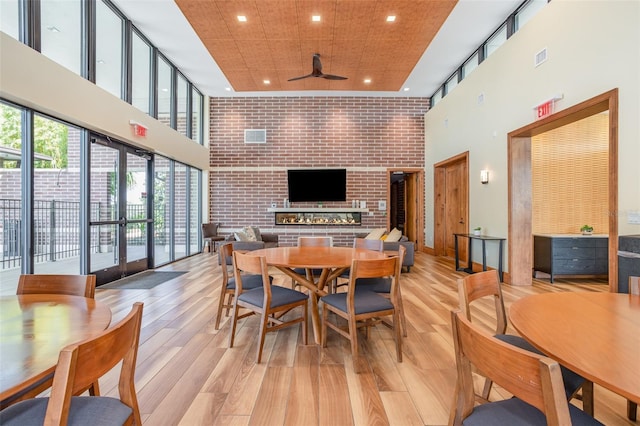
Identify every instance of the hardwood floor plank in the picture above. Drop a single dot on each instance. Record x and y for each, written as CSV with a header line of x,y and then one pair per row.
x,y
187,375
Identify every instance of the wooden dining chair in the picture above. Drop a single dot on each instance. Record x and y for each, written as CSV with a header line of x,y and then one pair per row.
x,y
79,365
364,308
210,236
72,285
358,243
271,302
311,241
382,286
228,286
487,284
533,379
634,289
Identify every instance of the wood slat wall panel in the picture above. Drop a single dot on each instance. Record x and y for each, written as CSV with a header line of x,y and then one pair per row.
x,y
570,177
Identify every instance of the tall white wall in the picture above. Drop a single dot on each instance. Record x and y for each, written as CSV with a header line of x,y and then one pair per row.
x,y
592,47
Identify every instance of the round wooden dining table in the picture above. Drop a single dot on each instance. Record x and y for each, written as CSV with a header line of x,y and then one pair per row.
x,y
333,261
33,330
597,335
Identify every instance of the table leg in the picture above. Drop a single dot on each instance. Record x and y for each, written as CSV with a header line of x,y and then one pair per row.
x,y
455,239
484,256
470,255
500,260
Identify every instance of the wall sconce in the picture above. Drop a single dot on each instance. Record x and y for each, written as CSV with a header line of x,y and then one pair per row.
x,y
484,176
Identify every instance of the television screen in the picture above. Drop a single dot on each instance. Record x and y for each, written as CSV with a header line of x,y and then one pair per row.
x,y
317,185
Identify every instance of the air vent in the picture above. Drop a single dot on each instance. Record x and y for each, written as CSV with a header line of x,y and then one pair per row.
x,y
255,136
540,57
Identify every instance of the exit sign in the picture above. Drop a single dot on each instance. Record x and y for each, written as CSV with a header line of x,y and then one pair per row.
x,y
544,110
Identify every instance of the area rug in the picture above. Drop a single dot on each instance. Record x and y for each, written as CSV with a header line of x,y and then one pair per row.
x,y
143,280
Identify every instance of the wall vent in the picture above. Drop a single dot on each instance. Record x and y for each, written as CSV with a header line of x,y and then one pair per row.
x,y
255,135
540,57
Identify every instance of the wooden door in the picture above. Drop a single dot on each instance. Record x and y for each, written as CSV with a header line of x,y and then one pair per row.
x,y
451,209
411,207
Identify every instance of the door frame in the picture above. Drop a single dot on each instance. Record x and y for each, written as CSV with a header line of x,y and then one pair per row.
x,y
416,196
439,197
520,245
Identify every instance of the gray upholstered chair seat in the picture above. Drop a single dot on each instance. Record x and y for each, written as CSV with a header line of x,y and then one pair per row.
x,y
303,271
85,410
376,285
249,282
279,296
366,301
514,411
572,381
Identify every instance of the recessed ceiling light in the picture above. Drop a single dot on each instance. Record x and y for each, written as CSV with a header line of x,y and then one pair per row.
x,y
228,89
391,18
406,89
100,61
164,89
266,81
367,80
315,18
53,29
242,18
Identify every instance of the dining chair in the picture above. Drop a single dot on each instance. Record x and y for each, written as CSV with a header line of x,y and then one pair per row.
x,y
534,380
634,289
487,284
382,285
72,285
364,308
210,236
266,300
358,243
311,241
79,365
228,286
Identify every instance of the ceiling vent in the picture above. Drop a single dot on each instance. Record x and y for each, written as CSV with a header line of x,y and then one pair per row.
x,y
255,136
540,57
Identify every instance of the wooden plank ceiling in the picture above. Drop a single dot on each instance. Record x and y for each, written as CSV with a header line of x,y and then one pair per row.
x,y
353,38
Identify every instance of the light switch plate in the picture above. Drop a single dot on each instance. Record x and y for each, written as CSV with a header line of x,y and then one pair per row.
x,y
633,217
382,205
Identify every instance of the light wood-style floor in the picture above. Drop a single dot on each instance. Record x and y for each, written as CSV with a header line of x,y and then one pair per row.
x,y
186,375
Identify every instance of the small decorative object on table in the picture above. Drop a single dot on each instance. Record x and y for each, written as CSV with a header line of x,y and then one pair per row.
x,y
586,230
477,230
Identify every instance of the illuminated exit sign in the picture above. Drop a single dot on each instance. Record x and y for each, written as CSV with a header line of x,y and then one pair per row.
x,y
544,110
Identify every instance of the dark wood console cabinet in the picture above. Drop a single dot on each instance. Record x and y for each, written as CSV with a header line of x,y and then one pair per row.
x,y
568,254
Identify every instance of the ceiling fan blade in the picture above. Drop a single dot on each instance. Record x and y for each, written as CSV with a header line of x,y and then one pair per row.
x,y
333,77
301,77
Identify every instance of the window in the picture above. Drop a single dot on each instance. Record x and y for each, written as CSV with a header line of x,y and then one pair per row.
x,y
495,41
436,97
162,223
165,87
60,32
194,216
140,73
470,65
451,83
196,116
528,11
109,49
180,200
182,95
10,18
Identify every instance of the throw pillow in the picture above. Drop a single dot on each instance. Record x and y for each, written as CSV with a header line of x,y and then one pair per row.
x,y
375,234
394,235
251,235
256,232
240,236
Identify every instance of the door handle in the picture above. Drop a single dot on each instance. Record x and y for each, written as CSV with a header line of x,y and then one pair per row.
x,y
123,221
461,222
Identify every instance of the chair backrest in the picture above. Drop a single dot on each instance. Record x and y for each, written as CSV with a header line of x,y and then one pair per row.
x,y
210,230
73,285
248,264
533,378
83,363
325,241
634,285
389,267
225,258
377,245
479,285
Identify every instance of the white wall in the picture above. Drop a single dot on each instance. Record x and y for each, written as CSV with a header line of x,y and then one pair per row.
x,y
33,80
593,47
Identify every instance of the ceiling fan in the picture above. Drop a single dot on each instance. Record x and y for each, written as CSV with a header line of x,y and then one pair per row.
x,y
317,71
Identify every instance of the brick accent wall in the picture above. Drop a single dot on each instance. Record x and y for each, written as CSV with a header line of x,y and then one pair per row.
x,y
364,135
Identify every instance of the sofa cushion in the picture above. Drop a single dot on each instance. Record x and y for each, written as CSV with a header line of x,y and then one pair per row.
x,y
376,234
246,234
393,236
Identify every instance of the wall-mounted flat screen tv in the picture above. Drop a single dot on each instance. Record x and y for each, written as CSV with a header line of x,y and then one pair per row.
x,y
317,185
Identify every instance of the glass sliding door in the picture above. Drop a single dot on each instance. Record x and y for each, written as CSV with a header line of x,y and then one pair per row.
x,y
119,215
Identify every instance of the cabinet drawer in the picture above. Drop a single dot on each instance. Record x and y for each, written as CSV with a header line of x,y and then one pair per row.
x,y
575,242
574,253
575,266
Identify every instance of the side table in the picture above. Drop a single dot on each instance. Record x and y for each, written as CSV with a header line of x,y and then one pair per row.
x,y
483,239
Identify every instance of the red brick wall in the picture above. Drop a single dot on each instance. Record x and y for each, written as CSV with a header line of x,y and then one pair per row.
x,y
364,135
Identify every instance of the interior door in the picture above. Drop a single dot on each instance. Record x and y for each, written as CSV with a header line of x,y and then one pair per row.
x,y
451,205
120,215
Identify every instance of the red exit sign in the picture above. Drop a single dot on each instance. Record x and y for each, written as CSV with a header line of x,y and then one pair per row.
x,y
544,110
